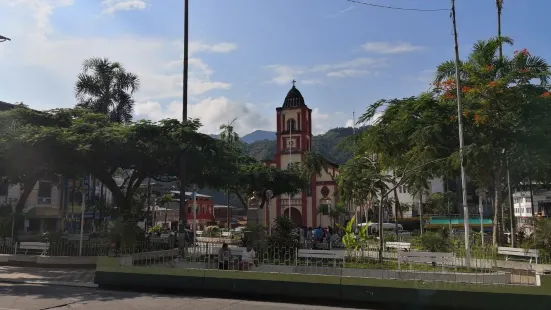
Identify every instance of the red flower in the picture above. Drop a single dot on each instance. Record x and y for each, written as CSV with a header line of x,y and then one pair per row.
x,y
546,94
489,67
465,89
492,84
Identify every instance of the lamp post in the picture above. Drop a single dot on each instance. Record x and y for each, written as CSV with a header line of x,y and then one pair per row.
x,y
183,208
269,195
13,203
481,195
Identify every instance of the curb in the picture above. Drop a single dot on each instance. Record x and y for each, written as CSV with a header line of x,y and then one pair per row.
x,y
52,283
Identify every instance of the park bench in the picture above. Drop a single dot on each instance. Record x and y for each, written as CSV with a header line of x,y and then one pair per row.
x,y
426,258
236,253
402,246
77,238
320,254
519,252
34,247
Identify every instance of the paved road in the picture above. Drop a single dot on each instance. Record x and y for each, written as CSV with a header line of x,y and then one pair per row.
x,y
36,297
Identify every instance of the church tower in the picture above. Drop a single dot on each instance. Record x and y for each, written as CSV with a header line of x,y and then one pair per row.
x,y
294,138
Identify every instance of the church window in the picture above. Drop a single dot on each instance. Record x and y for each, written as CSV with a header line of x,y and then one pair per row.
x,y
291,125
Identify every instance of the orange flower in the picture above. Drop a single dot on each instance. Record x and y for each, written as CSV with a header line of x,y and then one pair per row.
x,y
525,52
477,118
449,95
465,89
489,67
492,84
546,94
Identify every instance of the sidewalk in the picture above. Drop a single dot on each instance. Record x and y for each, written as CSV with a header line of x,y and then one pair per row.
x,y
48,276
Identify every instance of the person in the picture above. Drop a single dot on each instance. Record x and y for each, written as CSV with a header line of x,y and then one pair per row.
x,y
247,258
224,256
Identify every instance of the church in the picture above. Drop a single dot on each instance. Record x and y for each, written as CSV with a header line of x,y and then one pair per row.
x,y
294,139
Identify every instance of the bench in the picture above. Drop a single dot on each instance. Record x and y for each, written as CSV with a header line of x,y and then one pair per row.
x,y
403,246
321,254
426,257
236,254
518,252
77,238
34,247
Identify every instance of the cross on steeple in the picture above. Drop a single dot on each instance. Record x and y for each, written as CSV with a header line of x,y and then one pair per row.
x,y
294,82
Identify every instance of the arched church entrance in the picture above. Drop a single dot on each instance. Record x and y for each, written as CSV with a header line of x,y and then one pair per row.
x,y
296,216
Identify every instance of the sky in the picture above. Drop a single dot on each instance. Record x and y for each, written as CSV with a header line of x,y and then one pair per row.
x,y
245,53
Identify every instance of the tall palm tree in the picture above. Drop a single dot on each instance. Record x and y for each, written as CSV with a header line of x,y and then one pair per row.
x,y
231,137
499,6
484,66
106,87
228,134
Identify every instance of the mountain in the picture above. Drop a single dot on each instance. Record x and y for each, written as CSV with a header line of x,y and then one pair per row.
x,y
328,145
259,135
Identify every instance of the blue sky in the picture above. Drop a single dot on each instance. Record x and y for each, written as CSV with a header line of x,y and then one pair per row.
x,y
245,53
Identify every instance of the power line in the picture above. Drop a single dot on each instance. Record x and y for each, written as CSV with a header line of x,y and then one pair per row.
x,y
397,8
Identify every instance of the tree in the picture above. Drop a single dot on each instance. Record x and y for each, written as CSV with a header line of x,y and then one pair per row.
x,y
106,87
76,140
256,178
24,164
231,138
503,111
228,134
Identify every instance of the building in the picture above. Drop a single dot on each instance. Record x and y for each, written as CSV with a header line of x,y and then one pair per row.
x,y
221,215
205,209
294,139
524,211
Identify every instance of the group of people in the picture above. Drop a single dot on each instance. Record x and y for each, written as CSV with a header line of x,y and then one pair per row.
x,y
227,260
318,236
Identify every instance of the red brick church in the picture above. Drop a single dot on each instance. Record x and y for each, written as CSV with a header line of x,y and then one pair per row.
x,y
294,139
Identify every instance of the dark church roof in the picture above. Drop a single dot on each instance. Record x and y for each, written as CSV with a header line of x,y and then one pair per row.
x,y
294,99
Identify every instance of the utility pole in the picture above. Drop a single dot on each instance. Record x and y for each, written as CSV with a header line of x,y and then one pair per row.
x,y
183,210
461,142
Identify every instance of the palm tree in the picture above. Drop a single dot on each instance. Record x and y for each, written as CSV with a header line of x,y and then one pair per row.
x,y
228,134
106,87
483,67
231,137
499,6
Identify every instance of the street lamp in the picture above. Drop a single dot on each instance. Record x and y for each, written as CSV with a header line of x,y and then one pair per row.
x,y
510,199
4,39
269,195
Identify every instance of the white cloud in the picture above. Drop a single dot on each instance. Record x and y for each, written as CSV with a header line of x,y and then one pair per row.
x,y
284,74
212,112
48,61
347,73
391,48
223,47
112,6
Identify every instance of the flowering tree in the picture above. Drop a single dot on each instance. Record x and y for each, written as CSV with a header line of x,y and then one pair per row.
x,y
502,111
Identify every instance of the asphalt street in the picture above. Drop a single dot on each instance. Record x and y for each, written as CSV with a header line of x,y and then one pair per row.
x,y
37,297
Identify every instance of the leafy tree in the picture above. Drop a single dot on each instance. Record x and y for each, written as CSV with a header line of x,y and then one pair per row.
x,y
92,144
505,113
256,178
106,87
